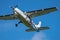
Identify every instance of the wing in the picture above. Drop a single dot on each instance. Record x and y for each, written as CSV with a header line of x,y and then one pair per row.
x,y
8,17
40,12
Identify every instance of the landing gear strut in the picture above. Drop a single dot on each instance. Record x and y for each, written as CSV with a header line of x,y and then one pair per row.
x,y
18,23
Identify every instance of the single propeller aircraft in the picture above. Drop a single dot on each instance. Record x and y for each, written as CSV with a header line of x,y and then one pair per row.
x,y
25,18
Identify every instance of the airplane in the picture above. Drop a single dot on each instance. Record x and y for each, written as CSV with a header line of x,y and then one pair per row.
x,y
26,18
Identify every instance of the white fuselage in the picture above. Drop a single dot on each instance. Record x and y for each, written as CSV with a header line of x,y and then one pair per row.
x,y
23,17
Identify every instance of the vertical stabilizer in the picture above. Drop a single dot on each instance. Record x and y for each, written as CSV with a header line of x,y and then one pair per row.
x,y
38,25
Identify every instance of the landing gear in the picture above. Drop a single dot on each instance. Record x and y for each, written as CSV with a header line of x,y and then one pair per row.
x,y
18,23
37,30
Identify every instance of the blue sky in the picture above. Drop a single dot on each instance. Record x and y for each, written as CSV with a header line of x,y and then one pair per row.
x,y
8,31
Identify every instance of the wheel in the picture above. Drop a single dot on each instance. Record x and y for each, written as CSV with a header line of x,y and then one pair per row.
x,y
16,25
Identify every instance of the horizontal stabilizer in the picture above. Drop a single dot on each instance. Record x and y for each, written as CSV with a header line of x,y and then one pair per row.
x,y
30,30
41,28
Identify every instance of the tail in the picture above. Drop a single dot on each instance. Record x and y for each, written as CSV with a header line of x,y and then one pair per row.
x,y
37,27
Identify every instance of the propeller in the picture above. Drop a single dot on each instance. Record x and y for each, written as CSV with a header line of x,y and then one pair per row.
x,y
14,7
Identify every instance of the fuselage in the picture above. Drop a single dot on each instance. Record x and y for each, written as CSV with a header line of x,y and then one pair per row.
x,y
21,16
